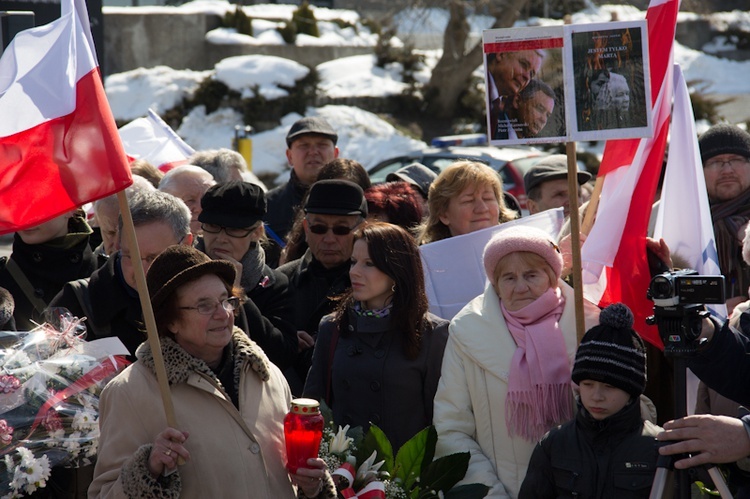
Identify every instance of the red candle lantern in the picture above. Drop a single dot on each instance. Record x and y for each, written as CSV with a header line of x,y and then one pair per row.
x,y
303,430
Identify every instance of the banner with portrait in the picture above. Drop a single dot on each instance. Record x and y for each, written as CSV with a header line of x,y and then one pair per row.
x,y
524,79
567,83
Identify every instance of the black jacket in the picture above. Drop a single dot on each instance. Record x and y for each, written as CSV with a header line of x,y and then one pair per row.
x,y
590,459
283,202
373,381
312,287
47,267
114,308
265,318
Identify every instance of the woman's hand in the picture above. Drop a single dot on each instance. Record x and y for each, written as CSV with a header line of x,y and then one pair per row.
x,y
167,450
310,480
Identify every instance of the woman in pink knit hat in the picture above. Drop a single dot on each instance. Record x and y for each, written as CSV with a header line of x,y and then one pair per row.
x,y
506,369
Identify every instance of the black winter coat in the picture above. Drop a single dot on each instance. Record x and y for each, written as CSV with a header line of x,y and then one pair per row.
x,y
114,310
283,202
372,379
312,286
47,267
590,459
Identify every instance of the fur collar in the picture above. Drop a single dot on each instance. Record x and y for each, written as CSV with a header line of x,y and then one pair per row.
x,y
180,364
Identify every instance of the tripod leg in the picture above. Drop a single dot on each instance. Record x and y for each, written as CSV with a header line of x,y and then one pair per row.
x,y
660,482
719,482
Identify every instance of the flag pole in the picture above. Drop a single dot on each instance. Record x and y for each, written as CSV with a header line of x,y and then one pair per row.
x,y
148,312
588,217
575,241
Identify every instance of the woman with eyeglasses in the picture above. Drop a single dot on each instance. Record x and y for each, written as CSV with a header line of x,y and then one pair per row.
x,y
378,356
231,219
229,401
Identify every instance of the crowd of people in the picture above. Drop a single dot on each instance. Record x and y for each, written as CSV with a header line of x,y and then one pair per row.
x,y
316,288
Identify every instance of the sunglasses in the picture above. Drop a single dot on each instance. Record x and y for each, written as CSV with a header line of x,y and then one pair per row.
x,y
230,231
338,230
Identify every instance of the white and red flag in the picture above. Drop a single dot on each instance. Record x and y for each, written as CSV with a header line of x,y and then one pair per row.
x,y
615,267
151,139
59,146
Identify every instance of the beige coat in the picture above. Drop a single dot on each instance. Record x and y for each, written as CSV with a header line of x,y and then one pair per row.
x,y
470,400
233,454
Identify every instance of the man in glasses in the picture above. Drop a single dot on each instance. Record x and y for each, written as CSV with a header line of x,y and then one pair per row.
x,y
109,298
334,208
231,219
725,150
311,143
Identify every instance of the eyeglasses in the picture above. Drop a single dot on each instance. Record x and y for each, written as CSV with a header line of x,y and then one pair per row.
x,y
717,164
339,230
230,231
228,304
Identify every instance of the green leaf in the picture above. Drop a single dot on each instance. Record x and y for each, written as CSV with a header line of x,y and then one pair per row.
x,y
375,440
411,457
468,491
445,472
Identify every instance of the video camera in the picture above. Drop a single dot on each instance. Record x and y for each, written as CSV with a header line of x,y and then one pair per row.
x,y
679,300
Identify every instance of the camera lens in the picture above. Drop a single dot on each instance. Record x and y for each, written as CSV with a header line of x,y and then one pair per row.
x,y
661,288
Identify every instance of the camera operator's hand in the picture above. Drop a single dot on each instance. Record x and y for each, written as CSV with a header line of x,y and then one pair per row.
x,y
660,249
710,439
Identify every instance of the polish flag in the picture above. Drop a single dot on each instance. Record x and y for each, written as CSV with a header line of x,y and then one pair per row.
x,y
615,268
686,226
151,139
59,147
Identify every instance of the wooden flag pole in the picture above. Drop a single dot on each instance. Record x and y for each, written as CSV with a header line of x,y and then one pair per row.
x,y
588,218
575,240
148,312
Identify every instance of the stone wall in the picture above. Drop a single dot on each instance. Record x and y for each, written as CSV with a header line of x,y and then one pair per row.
x,y
179,41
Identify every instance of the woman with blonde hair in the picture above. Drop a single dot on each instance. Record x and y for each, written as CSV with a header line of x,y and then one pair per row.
x,y
466,197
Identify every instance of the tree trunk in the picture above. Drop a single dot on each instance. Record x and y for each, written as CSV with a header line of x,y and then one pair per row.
x,y
452,73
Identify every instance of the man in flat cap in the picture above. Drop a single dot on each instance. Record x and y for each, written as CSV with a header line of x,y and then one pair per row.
x,y
334,208
311,143
546,184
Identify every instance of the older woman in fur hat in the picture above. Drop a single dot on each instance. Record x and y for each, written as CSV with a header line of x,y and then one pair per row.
x,y
505,377
229,401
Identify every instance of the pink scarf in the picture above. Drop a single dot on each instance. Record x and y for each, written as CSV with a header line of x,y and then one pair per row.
x,y
539,395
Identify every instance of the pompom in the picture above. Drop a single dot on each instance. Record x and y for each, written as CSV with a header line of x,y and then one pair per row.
x,y
617,315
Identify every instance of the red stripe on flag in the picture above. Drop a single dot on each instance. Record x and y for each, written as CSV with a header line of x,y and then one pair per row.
x,y
59,165
515,46
660,18
628,278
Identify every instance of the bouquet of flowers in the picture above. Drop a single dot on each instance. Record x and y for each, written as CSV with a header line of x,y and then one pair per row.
x,y
50,381
365,466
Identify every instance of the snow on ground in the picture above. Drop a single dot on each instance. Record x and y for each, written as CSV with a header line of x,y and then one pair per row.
x,y
132,93
363,135
244,73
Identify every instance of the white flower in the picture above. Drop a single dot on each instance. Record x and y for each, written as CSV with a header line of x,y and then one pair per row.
x,y
369,471
340,442
84,420
72,443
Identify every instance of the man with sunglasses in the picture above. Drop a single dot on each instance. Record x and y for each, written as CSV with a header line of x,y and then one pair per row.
x,y
334,208
231,219
311,143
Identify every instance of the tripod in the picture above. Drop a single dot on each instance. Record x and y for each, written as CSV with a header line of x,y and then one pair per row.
x,y
677,328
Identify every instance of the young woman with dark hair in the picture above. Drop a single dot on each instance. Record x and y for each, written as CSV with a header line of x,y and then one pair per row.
x,y
378,356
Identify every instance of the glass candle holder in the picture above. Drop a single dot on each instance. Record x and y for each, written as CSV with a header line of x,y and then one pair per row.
x,y
303,430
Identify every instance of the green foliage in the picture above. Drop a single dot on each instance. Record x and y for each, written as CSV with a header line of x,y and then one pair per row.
x,y
288,32
375,440
705,107
238,20
342,24
304,20
374,26
211,93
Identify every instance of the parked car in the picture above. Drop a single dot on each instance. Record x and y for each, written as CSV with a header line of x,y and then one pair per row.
x,y
437,158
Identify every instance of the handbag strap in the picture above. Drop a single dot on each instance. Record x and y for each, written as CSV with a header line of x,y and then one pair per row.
x,y
331,353
25,285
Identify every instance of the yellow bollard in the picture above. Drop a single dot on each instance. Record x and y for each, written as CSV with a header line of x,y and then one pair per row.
x,y
243,143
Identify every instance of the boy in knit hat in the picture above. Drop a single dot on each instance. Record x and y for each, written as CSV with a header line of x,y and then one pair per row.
x,y
608,450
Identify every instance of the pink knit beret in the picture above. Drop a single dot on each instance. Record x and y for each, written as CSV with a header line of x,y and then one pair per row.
x,y
520,238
